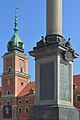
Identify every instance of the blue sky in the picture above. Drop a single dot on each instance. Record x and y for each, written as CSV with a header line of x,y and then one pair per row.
x,y
32,25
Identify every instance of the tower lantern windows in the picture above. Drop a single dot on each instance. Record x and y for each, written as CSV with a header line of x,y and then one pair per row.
x,y
20,45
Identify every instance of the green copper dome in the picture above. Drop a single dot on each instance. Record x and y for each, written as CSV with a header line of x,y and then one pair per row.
x,y
15,43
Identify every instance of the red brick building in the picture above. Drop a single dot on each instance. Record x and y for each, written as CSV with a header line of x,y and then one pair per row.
x,y
76,87
17,92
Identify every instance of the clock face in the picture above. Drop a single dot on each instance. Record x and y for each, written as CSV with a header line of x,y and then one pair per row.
x,y
9,62
21,63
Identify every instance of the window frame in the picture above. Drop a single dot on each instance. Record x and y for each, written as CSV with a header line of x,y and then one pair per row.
x,y
19,112
26,101
77,99
9,69
19,101
22,83
8,92
26,108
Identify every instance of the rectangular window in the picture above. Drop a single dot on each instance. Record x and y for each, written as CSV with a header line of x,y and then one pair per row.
x,y
9,69
19,110
8,92
21,69
26,110
78,98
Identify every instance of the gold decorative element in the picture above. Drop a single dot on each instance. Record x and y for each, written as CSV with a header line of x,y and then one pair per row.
x,y
21,63
8,82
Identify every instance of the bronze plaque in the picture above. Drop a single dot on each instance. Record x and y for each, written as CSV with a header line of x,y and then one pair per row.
x,y
47,81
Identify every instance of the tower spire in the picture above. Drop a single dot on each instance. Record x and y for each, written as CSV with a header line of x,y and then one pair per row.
x,y
15,43
16,22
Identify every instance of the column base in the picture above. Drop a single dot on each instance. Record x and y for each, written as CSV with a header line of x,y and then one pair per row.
x,y
53,113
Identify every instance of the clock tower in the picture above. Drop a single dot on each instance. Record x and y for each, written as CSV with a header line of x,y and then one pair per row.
x,y
15,66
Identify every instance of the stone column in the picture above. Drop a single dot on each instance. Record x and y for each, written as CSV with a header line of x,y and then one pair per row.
x,y
54,17
53,59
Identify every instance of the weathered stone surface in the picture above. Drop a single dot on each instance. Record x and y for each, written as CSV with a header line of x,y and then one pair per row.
x,y
53,113
47,81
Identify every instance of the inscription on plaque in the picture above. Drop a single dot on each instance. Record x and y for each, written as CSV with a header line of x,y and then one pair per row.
x,y
65,82
47,81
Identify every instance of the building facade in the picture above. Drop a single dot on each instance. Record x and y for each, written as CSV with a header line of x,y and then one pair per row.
x,y
76,94
17,92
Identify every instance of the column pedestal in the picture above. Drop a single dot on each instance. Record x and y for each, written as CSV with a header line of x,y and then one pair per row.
x,y
53,113
54,80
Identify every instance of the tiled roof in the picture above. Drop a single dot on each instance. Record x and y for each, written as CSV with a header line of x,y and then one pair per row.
x,y
26,90
76,81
